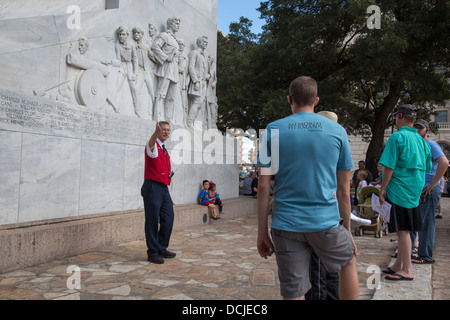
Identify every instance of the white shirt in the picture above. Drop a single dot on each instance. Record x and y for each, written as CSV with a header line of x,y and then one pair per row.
x,y
154,154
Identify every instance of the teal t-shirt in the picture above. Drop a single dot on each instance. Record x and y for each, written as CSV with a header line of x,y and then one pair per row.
x,y
409,155
305,150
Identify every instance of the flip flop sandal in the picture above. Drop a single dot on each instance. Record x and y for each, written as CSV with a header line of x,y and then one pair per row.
x,y
421,261
388,270
397,277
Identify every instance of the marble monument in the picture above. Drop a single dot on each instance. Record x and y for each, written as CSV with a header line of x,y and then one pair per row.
x,y
82,84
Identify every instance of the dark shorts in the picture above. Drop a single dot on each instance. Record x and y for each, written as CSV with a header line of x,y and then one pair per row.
x,y
404,219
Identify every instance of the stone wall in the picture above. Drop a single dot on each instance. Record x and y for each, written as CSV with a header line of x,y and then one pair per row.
x,y
71,136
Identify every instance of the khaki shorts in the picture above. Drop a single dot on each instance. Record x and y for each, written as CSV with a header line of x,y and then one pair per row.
x,y
334,247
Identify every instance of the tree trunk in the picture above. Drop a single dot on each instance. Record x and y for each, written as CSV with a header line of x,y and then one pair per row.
x,y
376,145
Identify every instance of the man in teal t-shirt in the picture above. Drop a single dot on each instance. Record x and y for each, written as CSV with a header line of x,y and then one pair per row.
x,y
311,158
314,149
406,158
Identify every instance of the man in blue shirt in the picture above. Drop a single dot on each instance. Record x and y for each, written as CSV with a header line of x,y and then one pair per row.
x,y
247,185
311,158
431,196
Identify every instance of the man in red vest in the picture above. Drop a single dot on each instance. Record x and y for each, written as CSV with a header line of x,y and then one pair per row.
x,y
158,204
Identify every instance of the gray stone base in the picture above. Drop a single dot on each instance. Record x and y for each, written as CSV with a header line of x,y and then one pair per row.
x,y
27,244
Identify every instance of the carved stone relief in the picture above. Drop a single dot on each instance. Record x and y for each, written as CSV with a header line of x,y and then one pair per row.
x,y
198,72
166,50
164,82
145,74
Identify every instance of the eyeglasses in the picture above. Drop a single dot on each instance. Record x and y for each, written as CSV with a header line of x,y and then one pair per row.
x,y
290,98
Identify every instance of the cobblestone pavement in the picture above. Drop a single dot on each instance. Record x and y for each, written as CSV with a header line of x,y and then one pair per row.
x,y
216,261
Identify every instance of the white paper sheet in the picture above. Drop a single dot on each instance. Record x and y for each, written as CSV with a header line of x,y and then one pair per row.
x,y
384,210
365,222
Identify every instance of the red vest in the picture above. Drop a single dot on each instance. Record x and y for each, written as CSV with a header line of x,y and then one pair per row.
x,y
159,168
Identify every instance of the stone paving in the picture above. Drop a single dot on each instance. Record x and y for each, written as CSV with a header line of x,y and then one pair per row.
x,y
216,261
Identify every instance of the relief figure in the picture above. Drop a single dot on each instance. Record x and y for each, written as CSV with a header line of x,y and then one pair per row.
x,y
211,97
127,60
184,79
144,75
165,49
198,72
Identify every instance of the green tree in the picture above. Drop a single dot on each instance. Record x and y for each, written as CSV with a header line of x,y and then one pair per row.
x,y
363,73
237,86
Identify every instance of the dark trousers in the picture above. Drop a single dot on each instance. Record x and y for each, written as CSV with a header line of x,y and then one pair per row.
x,y
219,203
159,216
324,285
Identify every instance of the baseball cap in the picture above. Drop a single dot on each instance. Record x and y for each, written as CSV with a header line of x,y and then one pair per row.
x,y
422,123
405,109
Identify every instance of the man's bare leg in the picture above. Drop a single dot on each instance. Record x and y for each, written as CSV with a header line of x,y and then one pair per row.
x,y
349,282
402,265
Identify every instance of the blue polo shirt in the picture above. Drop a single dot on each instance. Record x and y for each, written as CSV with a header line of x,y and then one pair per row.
x,y
305,150
436,152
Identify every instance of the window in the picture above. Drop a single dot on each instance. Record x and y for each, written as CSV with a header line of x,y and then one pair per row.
x,y
441,116
112,4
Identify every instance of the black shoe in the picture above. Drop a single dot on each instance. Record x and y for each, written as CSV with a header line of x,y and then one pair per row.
x,y
156,260
168,255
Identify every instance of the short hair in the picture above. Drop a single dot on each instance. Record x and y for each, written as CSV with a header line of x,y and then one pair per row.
x,y
164,122
83,40
172,19
204,181
200,39
303,91
411,118
122,28
138,29
363,173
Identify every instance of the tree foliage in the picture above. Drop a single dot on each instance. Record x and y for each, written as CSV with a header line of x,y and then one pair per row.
x,y
363,73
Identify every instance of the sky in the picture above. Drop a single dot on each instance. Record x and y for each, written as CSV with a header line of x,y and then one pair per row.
x,y
231,10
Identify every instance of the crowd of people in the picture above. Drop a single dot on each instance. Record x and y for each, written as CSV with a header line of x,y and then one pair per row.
x,y
409,176
311,204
